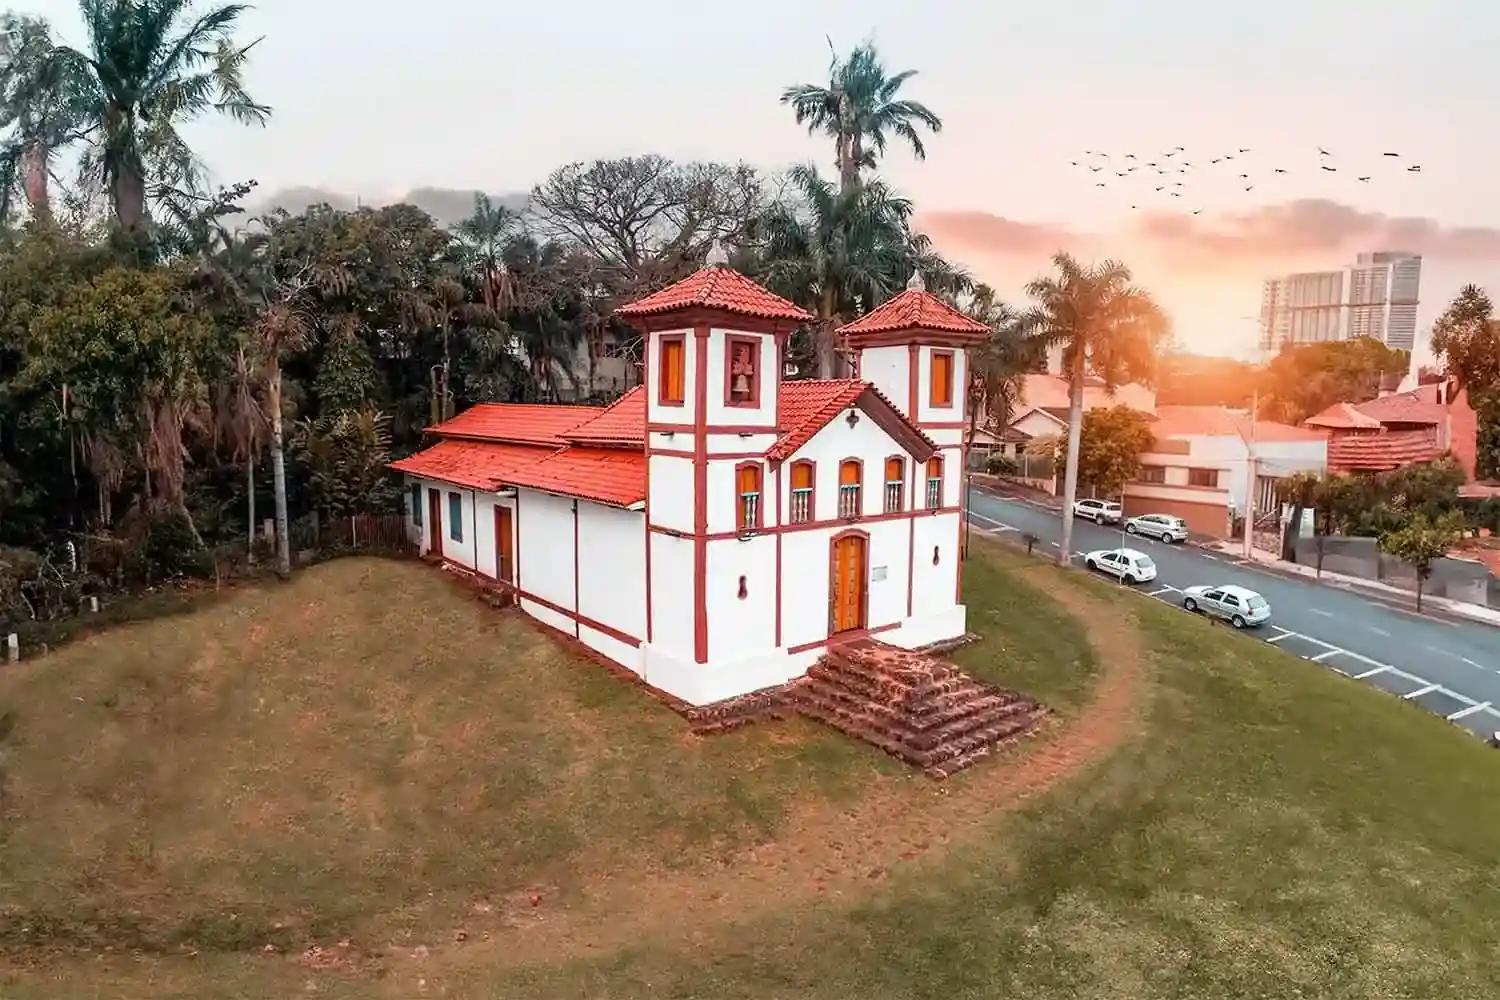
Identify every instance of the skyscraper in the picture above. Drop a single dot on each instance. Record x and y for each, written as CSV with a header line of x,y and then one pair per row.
x,y
1374,297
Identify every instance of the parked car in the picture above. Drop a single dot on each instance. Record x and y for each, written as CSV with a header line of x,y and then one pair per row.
x,y
1237,605
1164,527
1127,564
1099,511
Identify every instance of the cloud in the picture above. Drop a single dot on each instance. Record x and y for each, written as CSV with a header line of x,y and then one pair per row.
x,y
988,233
447,206
1311,227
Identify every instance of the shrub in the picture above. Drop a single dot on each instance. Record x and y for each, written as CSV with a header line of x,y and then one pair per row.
x,y
1001,465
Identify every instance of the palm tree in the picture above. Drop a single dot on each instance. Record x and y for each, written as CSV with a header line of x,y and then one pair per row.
x,y
146,72
241,422
837,253
40,103
859,109
482,238
998,366
1106,327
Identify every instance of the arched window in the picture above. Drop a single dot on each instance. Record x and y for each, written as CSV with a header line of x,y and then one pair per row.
x,y
803,505
851,477
747,496
895,483
934,482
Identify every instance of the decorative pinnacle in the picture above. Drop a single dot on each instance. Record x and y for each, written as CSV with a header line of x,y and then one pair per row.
x,y
916,282
717,257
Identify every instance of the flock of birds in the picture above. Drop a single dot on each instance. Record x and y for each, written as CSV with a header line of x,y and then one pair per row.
x,y
1163,171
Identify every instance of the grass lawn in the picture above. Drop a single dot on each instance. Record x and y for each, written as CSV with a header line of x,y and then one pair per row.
x,y
368,755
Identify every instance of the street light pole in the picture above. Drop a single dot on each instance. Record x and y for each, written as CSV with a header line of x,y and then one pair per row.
x,y
1252,485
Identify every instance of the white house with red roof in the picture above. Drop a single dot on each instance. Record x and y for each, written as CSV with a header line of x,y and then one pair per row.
x,y
717,528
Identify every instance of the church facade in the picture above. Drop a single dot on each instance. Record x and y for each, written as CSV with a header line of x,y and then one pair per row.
x,y
717,527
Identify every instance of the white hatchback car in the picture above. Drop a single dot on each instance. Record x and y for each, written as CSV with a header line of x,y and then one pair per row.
x,y
1237,605
1164,527
1099,511
1127,564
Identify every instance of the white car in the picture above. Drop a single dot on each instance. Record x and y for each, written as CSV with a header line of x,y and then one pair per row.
x,y
1127,564
1236,605
1099,511
1163,527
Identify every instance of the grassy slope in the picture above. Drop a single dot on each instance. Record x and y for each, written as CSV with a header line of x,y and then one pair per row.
x,y
1273,830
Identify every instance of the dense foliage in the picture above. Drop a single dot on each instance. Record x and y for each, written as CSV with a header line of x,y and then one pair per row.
x,y
1305,379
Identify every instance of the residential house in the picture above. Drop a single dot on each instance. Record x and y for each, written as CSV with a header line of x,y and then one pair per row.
x,y
1403,428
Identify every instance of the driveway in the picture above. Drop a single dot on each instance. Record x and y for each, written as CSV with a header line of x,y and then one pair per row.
x,y
1451,668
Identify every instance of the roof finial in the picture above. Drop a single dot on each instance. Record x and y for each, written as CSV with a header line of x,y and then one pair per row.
x,y
916,283
716,255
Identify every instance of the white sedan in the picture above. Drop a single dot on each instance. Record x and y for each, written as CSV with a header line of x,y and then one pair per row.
x,y
1164,527
1099,511
1127,564
1236,605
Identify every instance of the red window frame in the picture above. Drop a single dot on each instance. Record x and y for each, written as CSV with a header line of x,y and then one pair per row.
x,y
680,340
934,471
730,342
812,490
741,523
932,380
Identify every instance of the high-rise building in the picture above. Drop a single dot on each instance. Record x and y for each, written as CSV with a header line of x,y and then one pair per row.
x,y
1375,297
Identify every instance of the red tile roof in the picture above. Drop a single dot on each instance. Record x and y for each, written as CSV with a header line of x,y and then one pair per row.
x,y
522,423
1419,406
717,287
1343,416
1381,452
480,465
1270,430
914,309
621,423
607,475
807,405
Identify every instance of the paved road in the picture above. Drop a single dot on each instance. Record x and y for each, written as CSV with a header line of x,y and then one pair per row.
x,y
1451,668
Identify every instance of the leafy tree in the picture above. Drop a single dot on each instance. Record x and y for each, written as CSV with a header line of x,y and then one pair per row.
x,y
346,456
859,109
998,366
41,104
1106,326
1302,490
1305,379
482,239
149,69
1467,338
1422,542
1111,443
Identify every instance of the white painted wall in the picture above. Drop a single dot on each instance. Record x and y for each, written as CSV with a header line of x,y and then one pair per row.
x,y
723,494
672,595
886,367
612,567
741,628
766,370
655,412
1039,423
934,587
546,554
671,492
926,412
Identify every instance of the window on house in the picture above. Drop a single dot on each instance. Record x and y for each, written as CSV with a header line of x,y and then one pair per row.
x,y
895,484
942,378
742,376
802,492
455,517
934,483
850,476
670,389
1203,477
1152,474
747,487
416,505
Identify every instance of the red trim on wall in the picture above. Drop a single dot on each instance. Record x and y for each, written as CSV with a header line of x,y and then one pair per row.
x,y
952,377
912,365
516,552
673,453
578,619
776,473
836,522
700,494
660,428
661,399
958,545
577,605
760,488
944,425
754,343
849,636
646,536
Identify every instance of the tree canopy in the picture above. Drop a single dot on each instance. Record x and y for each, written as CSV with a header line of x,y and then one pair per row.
x,y
1305,379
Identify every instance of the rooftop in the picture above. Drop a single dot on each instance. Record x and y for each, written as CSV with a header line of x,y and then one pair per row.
x,y
914,309
1343,416
1418,406
520,423
1382,452
717,287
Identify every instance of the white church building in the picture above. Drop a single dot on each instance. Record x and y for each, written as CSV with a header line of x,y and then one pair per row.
x,y
716,528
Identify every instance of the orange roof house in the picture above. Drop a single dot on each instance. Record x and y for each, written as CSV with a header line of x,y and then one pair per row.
x,y
716,528
1401,429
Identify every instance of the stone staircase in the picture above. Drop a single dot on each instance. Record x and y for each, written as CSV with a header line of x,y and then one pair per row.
x,y
913,705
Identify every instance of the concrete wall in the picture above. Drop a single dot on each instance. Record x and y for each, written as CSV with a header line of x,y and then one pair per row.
x,y
1457,579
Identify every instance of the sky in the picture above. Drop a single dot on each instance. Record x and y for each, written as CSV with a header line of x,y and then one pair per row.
x,y
378,97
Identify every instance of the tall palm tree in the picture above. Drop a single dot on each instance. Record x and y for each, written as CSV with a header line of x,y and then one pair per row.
x,y
1106,327
836,253
41,106
482,238
998,366
148,69
860,110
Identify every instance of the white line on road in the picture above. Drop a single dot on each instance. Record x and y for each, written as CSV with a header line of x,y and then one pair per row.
x,y
1284,635
1207,556
1371,673
1378,631
1320,611
1164,590
1481,706
1471,663
1420,691
1325,655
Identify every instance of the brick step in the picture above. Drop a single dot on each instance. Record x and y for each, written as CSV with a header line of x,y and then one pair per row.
x,y
924,748
873,684
943,720
917,680
976,722
863,717
986,737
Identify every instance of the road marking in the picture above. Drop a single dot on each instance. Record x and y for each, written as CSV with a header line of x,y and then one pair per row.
x,y
1164,590
1284,635
1481,706
1420,691
1207,556
1471,663
1371,673
1325,655
1320,611
1378,631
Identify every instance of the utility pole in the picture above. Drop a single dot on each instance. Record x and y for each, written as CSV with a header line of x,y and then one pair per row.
x,y
1252,485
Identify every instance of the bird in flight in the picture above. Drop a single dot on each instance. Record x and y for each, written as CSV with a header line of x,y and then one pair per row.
x,y
1244,177
1228,156
1176,194
1162,188
1214,160
1177,184
1099,185
1074,162
1096,169
1129,156
1278,170
1250,187
1244,151
1197,211
1415,168
1120,173
1178,149
1365,179
1331,170
1323,152
1390,154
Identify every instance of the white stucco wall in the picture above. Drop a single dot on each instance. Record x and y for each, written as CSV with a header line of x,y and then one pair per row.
x,y
672,595
954,411
885,367
546,556
671,492
655,412
612,567
741,628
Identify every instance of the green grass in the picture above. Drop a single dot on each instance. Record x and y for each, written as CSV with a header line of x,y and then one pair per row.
x,y
1267,830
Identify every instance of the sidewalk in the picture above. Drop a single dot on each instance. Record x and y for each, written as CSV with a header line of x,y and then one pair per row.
x,y
1407,598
